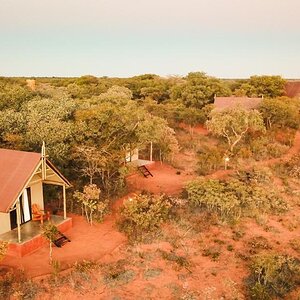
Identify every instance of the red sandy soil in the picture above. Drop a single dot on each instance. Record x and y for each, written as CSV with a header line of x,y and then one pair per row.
x,y
199,129
204,278
292,89
164,180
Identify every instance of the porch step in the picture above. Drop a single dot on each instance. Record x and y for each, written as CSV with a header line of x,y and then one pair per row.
x,y
144,170
61,240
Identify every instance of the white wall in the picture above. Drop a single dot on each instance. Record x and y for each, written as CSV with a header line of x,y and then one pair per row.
x,y
36,197
37,194
134,155
4,222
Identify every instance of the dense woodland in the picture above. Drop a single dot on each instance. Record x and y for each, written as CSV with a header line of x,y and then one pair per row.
x,y
89,124
86,119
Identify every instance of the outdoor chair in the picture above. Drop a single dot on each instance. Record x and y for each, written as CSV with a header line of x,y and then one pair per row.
x,y
38,214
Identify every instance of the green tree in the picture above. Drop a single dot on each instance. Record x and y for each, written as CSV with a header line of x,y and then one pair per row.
x,y
280,112
257,86
89,200
233,124
200,89
112,125
50,121
13,95
87,79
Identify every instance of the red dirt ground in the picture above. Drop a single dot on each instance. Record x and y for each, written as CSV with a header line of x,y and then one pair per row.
x,y
164,180
199,129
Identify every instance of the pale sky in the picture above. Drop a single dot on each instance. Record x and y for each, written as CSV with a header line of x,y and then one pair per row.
x,y
224,38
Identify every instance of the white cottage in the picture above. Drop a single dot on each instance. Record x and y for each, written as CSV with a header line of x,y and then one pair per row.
x,y
22,175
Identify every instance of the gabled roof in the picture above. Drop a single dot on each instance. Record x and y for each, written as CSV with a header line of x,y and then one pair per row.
x,y
16,169
231,102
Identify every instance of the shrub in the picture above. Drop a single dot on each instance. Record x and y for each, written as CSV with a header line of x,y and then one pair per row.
x,y
276,150
209,160
116,273
230,247
213,253
91,204
257,244
144,214
255,176
264,148
84,268
215,197
151,273
295,244
234,198
273,276
15,285
285,136
181,261
290,168
3,249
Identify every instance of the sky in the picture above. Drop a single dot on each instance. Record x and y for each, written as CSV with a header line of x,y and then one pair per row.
x,y
118,38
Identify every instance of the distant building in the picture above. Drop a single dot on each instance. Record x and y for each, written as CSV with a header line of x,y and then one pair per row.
x,y
247,103
292,89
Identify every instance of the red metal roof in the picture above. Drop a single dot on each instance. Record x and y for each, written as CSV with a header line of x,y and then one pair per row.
x,y
230,102
16,168
292,89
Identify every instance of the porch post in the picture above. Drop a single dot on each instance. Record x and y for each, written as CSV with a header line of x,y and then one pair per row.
x,y
65,201
151,150
18,220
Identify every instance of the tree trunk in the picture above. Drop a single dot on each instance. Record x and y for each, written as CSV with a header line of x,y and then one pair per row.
x,y
50,250
86,214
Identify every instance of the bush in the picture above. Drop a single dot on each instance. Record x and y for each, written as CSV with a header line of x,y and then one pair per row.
x,y
84,268
290,168
295,244
234,198
284,136
257,244
15,285
215,197
93,207
181,261
209,160
117,274
255,176
144,214
273,276
264,148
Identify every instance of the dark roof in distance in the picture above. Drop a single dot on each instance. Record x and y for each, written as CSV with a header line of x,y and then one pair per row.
x,y
247,103
292,89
